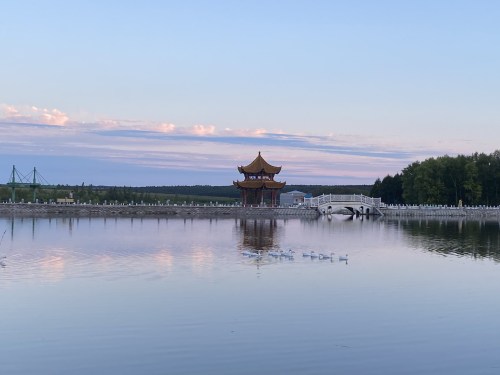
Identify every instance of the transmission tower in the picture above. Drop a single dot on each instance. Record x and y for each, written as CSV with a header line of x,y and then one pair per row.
x,y
18,180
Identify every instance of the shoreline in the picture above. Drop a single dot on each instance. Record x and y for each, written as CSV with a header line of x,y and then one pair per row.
x,y
94,210
90,210
437,211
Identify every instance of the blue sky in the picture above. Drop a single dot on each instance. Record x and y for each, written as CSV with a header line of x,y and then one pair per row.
x,y
182,92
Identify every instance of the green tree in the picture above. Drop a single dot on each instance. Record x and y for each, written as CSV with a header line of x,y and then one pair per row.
x,y
375,191
410,193
472,188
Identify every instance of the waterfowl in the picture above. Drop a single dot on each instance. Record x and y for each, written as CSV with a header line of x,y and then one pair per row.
x,y
326,256
311,254
343,257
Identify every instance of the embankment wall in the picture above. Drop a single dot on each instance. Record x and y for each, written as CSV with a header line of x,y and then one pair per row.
x,y
426,211
87,210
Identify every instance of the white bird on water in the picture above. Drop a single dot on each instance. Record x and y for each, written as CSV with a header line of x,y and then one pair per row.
x,y
287,254
326,256
343,257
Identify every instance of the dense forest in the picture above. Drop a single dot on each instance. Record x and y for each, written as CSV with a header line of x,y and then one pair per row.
x,y
446,180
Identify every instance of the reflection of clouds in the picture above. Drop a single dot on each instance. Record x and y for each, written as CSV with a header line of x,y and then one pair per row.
x,y
104,262
52,268
164,260
202,260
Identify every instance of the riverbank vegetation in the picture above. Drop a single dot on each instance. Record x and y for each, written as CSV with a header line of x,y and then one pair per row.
x,y
198,194
445,180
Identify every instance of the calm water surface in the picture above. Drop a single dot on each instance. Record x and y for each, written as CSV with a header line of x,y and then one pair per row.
x,y
175,296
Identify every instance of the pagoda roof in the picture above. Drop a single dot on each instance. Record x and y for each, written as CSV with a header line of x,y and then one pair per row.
x,y
259,184
259,165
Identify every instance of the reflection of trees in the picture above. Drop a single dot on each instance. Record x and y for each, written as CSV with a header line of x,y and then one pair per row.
x,y
258,234
458,236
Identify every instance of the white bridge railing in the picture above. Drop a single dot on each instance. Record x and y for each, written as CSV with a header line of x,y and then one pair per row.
x,y
342,198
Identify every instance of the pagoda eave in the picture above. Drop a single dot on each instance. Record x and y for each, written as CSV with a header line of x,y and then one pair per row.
x,y
259,165
271,185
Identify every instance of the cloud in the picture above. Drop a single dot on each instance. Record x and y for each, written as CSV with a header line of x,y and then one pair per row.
x,y
32,114
166,128
164,148
244,132
202,129
172,129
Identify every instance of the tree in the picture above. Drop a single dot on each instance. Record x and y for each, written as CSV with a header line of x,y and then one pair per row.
x,y
375,191
410,194
472,188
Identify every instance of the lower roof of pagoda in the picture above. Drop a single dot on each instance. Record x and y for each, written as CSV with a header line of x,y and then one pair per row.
x,y
259,184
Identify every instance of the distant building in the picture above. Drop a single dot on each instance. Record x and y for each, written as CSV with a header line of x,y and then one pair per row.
x,y
293,198
65,201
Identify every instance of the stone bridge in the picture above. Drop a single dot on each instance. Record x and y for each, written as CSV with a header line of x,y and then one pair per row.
x,y
355,204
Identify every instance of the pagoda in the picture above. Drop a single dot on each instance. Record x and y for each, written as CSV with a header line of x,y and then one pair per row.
x,y
259,179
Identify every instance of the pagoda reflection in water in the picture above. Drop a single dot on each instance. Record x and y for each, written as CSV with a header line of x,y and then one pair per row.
x,y
258,234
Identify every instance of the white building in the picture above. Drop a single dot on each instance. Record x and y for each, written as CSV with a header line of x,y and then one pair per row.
x,y
292,198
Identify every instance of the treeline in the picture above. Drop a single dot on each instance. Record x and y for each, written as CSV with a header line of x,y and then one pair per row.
x,y
199,194
471,180
231,191
111,194
228,191
316,190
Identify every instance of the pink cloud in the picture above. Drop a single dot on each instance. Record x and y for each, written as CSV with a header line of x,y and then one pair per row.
x,y
202,130
26,114
245,132
166,127
169,128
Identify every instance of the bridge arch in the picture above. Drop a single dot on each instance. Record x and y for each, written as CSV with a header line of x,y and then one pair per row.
x,y
356,204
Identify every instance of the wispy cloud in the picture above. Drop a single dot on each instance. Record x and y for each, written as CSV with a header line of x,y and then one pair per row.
x,y
202,150
32,114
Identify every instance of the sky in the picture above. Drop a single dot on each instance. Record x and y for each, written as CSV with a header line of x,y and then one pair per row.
x,y
183,92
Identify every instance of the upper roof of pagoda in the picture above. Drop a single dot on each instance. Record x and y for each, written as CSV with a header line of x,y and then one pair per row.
x,y
259,165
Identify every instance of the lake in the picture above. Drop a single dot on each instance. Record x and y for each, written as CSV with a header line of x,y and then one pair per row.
x,y
177,296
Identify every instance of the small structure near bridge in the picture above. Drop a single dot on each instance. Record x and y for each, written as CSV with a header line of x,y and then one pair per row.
x,y
293,198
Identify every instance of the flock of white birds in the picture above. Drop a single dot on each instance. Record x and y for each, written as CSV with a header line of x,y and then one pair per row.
x,y
290,254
